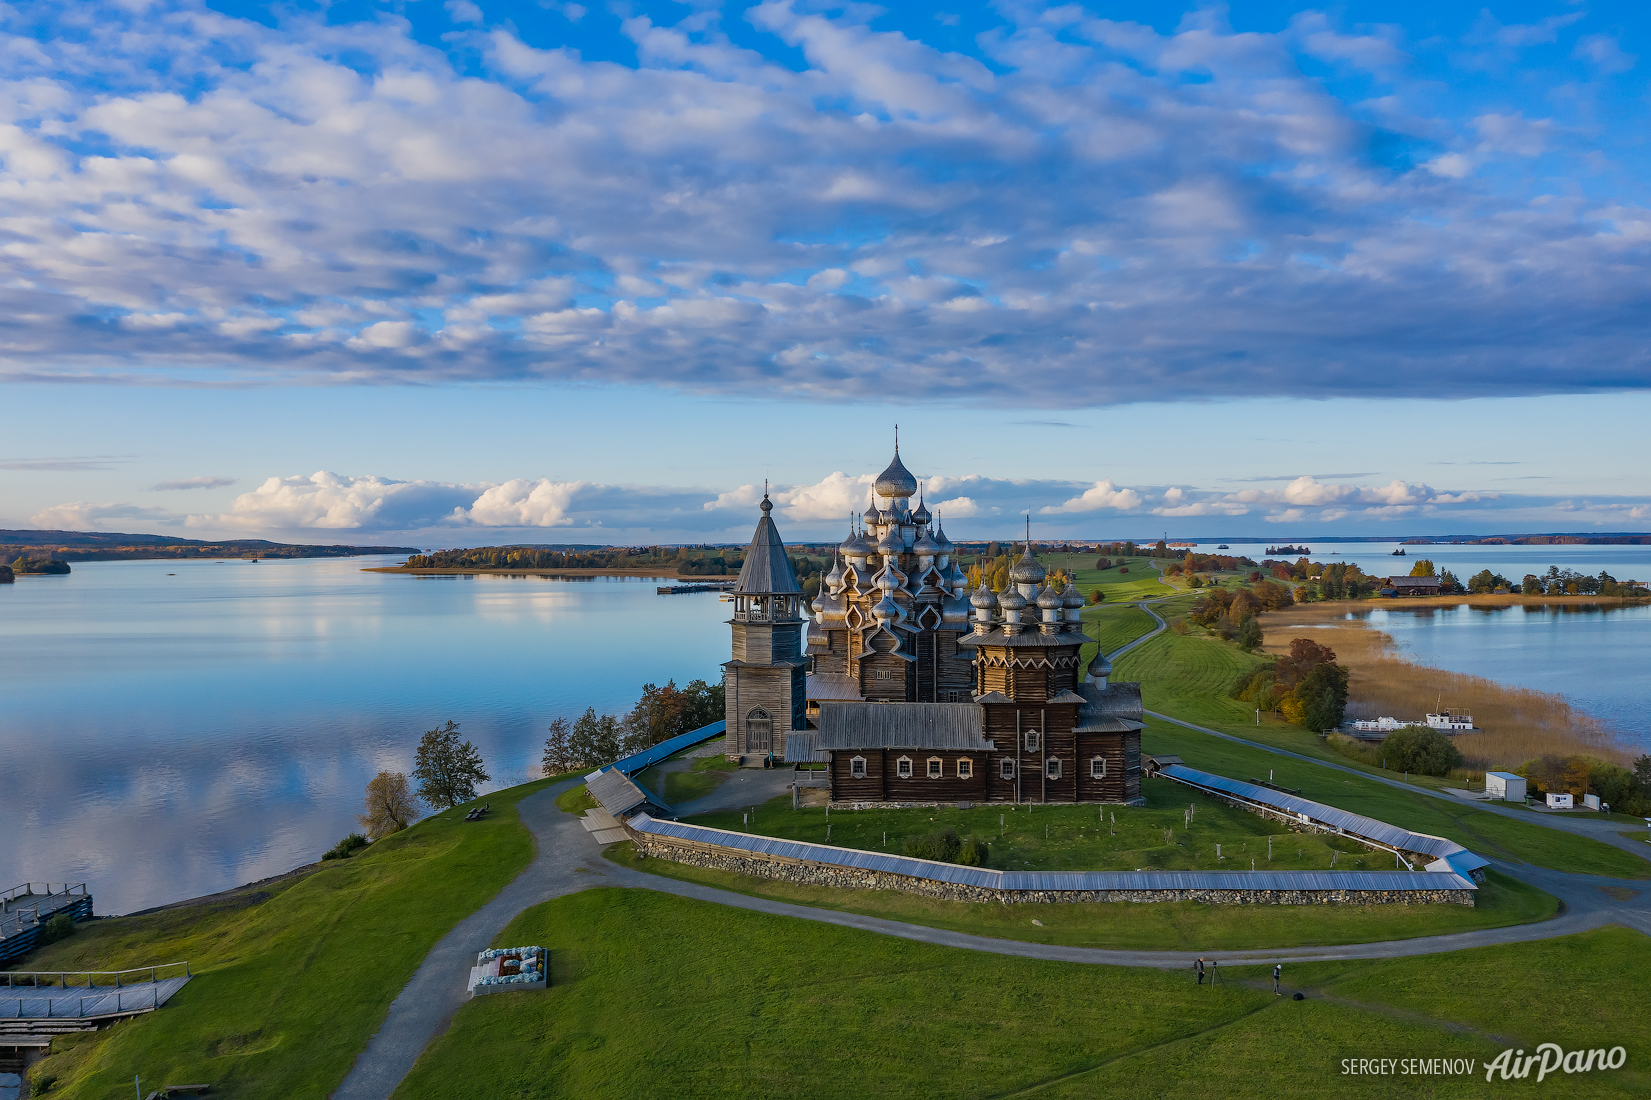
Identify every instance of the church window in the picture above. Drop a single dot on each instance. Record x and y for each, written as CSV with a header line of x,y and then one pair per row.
x,y
1007,767
1097,767
1033,742
1052,767
965,768
902,767
857,768
937,767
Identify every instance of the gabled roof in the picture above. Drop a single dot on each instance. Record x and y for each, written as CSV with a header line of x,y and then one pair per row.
x,y
901,726
619,795
766,571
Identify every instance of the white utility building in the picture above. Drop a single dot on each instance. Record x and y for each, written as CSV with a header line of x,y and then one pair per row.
x,y
1561,802
1505,786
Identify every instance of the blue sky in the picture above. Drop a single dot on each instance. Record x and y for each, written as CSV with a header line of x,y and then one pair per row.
x,y
467,272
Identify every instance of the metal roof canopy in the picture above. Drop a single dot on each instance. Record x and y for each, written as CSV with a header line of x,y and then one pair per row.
x,y
986,878
666,749
1391,836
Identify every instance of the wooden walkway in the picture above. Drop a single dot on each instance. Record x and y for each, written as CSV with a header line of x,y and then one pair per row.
x,y
85,1002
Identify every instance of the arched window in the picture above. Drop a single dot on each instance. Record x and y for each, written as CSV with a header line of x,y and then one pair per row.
x,y
1097,767
1033,743
937,767
1052,767
902,767
965,768
1006,767
857,768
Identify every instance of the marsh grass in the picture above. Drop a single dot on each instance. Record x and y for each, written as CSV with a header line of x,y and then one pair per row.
x,y
1520,723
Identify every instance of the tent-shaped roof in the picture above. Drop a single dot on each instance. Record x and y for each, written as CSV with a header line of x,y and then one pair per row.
x,y
766,571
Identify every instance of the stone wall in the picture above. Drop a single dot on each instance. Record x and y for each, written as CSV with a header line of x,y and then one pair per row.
x,y
809,873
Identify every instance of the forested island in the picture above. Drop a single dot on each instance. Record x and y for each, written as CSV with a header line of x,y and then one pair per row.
x,y
67,546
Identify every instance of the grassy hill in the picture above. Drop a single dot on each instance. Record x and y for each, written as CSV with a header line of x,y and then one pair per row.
x,y
112,546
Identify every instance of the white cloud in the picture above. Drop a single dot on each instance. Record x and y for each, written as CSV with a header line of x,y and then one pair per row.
x,y
523,503
84,516
1103,494
346,201
196,483
329,501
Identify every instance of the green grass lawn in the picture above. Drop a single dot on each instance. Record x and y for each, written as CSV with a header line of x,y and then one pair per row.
x,y
661,996
290,981
704,776
1142,581
1182,925
1078,838
576,800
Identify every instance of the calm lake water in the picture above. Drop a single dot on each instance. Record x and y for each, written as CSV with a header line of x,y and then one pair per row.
x,y
168,729
1596,657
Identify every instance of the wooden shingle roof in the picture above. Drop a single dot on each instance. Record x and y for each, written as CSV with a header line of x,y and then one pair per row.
x,y
901,726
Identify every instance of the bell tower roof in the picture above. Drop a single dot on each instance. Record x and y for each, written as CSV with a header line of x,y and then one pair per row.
x,y
767,571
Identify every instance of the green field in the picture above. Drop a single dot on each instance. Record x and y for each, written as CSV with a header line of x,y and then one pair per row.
x,y
1160,926
655,995
703,776
292,979
1142,582
1154,837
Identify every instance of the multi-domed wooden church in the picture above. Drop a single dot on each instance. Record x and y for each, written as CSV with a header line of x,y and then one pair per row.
x,y
911,689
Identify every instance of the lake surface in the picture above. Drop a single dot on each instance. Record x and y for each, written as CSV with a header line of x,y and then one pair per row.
x,y
169,729
1597,657
1377,560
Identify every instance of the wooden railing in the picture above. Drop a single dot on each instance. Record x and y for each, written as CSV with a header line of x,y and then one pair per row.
x,y
60,978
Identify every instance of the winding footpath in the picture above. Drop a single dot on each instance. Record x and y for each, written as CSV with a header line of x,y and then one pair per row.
x,y
567,859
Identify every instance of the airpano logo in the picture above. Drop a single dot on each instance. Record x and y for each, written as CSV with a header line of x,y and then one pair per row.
x,y
1552,1058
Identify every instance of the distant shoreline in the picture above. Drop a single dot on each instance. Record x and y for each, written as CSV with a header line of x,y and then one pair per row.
x,y
661,574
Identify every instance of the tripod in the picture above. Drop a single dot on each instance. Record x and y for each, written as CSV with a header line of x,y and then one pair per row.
x,y
1215,972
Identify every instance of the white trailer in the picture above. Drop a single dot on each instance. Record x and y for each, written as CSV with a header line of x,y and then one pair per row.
x,y
1561,802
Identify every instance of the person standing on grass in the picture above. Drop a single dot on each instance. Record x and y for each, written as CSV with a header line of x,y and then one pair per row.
x,y
1277,969
1199,966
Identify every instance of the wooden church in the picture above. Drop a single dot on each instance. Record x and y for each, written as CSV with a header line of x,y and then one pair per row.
x,y
912,692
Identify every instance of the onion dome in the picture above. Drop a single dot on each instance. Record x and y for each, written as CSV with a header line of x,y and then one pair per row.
x,y
1050,600
818,604
834,579
926,547
941,540
1072,597
1100,668
922,514
896,481
891,545
886,610
873,516
1027,570
1011,600
855,546
984,598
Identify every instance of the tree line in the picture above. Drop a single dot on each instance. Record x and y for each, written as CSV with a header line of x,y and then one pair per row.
x,y
662,713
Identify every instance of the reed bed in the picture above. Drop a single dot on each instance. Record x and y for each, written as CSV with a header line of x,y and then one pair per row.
x,y
1520,723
